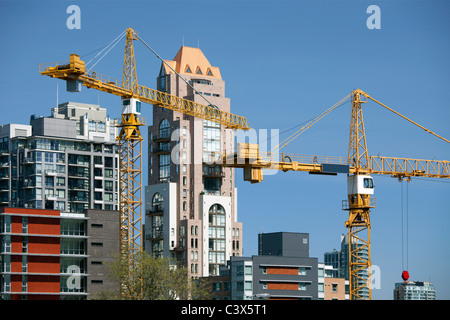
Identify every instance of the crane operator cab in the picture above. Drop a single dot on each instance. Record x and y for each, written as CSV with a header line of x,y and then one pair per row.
x,y
131,105
360,184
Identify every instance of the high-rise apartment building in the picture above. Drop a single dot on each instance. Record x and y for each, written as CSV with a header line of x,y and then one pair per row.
x,y
68,161
191,202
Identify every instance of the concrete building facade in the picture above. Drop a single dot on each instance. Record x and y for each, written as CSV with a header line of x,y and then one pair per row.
x,y
191,202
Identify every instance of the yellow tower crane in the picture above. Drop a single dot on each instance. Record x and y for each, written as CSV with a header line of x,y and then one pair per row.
x,y
359,167
75,73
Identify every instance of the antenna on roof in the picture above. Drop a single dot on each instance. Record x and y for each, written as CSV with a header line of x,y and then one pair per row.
x,y
198,42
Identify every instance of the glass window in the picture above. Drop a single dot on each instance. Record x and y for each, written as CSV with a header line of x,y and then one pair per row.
x,y
368,183
216,232
164,167
164,129
101,127
48,157
91,126
157,202
138,106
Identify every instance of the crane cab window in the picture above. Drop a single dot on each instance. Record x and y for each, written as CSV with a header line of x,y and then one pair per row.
x,y
138,106
368,183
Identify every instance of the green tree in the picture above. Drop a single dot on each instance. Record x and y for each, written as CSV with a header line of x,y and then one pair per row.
x,y
154,279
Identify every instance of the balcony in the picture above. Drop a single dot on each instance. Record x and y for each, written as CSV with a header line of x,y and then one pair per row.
x,y
50,172
78,199
164,149
163,137
213,174
156,210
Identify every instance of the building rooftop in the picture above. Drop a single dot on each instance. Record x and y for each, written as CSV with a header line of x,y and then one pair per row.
x,y
192,61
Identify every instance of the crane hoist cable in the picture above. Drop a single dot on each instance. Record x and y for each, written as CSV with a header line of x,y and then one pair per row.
x,y
404,224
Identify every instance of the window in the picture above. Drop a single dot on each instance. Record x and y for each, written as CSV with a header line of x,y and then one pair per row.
x,y
61,193
211,141
162,83
335,287
217,223
49,181
138,106
108,173
199,71
108,185
188,70
157,201
248,270
302,271
302,286
101,127
91,126
201,81
164,167
209,73
48,157
25,225
368,183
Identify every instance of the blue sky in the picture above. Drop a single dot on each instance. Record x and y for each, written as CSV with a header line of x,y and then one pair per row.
x,y
283,62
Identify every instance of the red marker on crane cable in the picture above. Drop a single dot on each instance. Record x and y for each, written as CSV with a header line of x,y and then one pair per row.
x,y
405,276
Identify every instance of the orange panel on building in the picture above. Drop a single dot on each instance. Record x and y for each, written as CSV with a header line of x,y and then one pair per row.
x,y
282,270
282,286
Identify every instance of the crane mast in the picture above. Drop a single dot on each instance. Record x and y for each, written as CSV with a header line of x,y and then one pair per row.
x,y
359,203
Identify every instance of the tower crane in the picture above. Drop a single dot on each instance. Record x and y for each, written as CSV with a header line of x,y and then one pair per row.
x,y
358,166
75,73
